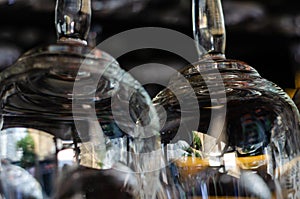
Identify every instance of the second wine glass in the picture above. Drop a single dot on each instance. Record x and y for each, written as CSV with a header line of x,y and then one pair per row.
x,y
243,130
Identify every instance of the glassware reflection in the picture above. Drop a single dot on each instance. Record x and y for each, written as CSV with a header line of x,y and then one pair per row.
x,y
86,119
232,128
18,182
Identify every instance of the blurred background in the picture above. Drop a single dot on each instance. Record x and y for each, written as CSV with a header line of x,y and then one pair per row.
x,y
265,34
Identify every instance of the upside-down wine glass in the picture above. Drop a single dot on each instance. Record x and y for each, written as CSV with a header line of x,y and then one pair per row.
x,y
228,132
74,124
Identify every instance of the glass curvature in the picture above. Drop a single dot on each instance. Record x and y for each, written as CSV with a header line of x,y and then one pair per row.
x,y
73,123
245,143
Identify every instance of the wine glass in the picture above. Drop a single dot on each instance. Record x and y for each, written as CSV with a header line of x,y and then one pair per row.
x,y
73,123
229,133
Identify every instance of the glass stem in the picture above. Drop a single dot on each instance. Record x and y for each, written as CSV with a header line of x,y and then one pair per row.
x,y
209,28
72,20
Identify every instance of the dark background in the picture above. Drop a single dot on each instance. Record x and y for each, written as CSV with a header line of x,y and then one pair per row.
x,y
265,34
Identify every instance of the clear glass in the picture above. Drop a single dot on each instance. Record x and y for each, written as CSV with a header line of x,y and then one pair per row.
x,y
73,123
228,132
